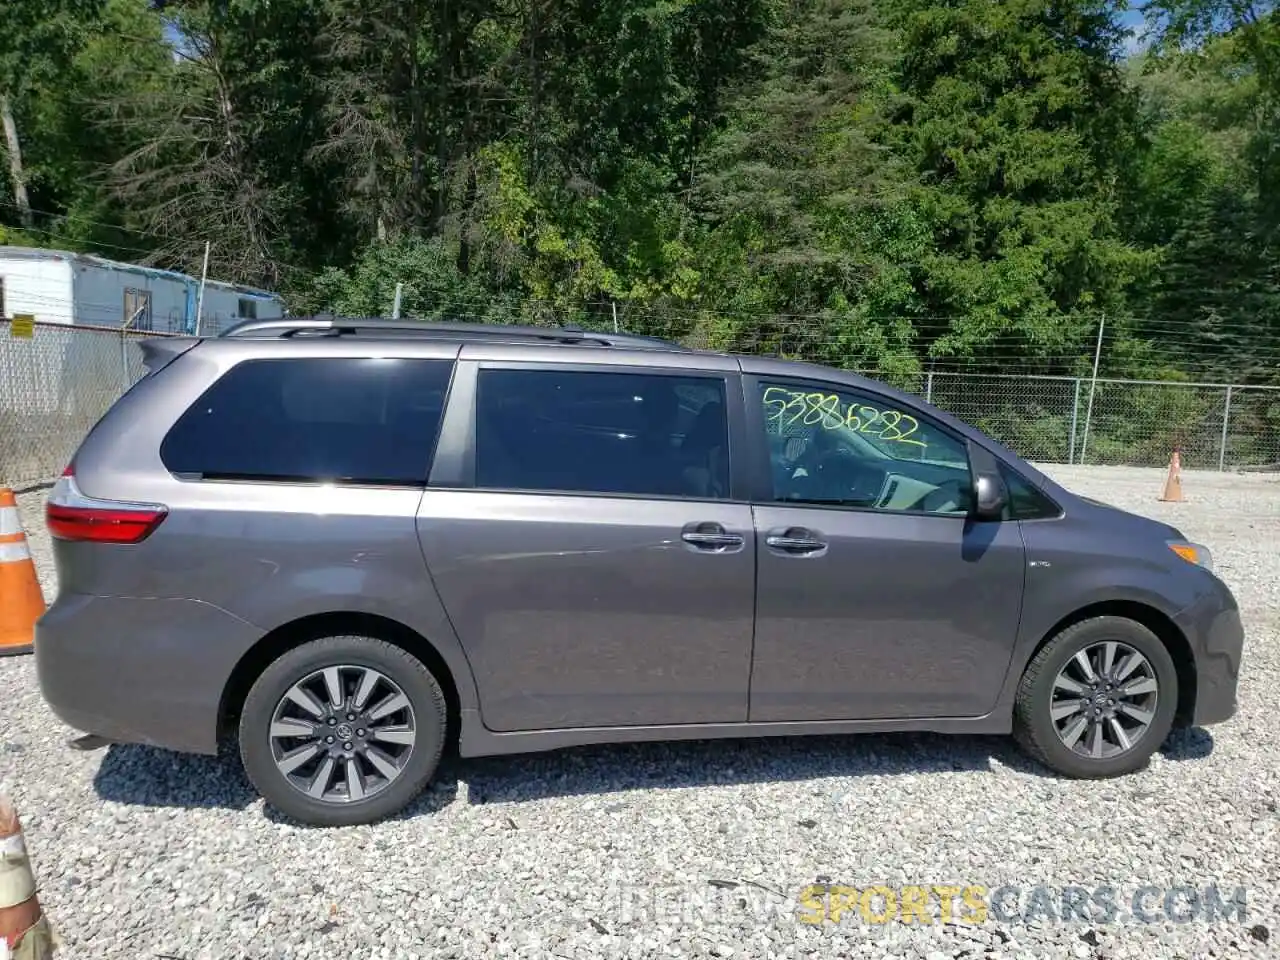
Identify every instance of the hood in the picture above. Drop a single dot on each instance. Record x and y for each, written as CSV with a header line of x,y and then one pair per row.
x,y
1135,520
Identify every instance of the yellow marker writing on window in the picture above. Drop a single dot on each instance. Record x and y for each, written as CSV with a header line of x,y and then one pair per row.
x,y
788,408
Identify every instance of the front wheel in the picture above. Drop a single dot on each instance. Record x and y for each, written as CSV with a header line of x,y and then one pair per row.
x,y
1098,699
342,730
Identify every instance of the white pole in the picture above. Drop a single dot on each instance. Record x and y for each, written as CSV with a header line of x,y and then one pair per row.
x,y
395,309
204,275
124,345
1093,386
1075,418
1226,418
614,304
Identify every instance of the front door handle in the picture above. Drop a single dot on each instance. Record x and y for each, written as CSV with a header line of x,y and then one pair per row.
x,y
711,536
796,541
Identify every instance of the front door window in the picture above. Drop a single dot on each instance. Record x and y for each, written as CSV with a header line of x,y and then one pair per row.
x,y
844,448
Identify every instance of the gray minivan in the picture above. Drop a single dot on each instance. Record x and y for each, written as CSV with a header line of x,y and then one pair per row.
x,y
346,542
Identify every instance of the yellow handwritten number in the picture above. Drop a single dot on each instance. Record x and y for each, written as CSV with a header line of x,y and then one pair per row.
x,y
813,409
915,425
776,404
786,407
869,416
891,431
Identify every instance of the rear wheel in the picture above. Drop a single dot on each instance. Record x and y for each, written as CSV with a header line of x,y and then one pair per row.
x,y
1098,700
342,730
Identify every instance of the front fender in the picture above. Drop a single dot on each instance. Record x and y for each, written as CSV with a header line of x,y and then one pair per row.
x,y
1072,566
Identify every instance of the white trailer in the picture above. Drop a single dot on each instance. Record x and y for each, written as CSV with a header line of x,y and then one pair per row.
x,y
77,358
80,289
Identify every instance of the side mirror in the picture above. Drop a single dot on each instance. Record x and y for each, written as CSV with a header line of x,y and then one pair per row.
x,y
990,494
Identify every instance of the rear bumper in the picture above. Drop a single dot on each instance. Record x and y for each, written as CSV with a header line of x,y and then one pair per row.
x,y
140,671
1213,627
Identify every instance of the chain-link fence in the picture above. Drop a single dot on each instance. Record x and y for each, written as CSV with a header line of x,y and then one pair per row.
x,y
57,381
1118,422
1036,416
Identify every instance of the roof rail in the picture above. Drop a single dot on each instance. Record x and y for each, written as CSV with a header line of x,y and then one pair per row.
x,y
323,326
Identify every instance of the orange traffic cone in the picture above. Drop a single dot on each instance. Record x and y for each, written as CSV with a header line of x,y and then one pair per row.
x,y
1173,482
24,930
21,602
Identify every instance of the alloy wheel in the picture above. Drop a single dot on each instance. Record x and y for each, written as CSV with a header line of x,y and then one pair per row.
x,y
1104,700
342,734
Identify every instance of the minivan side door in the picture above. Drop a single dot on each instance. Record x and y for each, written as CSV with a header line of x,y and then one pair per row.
x,y
878,596
584,532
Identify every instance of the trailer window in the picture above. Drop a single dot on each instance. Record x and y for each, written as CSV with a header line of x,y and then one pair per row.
x,y
248,309
137,309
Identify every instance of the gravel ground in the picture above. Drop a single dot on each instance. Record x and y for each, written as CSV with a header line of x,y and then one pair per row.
x,y
680,850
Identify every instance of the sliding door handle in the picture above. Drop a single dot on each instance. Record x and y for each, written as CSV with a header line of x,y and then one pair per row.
x,y
711,537
796,542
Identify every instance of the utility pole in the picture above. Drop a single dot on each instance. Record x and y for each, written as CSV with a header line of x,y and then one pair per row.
x,y
395,307
125,327
204,275
1093,386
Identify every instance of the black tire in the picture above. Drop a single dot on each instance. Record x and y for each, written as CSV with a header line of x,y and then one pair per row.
x,y
1034,728
403,669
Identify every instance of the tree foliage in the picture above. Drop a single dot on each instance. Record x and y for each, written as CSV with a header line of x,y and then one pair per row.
x,y
895,184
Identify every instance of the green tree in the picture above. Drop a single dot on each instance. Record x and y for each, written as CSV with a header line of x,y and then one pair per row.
x,y
123,56
38,41
1198,196
215,148
805,211
432,286
1014,117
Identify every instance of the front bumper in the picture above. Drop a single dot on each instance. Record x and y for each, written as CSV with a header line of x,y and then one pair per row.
x,y
1213,628
140,670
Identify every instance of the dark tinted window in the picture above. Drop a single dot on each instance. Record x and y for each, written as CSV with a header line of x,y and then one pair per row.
x,y
621,433
358,421
1025,501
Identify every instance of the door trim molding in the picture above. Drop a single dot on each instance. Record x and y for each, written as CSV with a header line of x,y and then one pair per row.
x,y
478,741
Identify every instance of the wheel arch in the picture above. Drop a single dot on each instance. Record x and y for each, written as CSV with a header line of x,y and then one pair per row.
x,y
1158,623
295,633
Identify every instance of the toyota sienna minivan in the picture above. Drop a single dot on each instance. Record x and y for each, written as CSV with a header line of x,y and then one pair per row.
x,y
346,543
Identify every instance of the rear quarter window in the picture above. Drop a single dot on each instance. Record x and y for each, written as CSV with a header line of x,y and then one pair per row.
x,y
369,421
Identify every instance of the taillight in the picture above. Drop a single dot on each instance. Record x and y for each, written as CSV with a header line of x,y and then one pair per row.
x,y
70,515
101,526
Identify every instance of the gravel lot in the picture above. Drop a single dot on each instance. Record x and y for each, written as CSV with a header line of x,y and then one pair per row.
x,y
612,851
